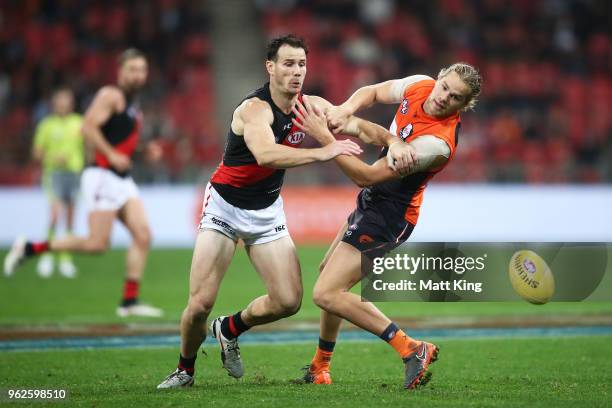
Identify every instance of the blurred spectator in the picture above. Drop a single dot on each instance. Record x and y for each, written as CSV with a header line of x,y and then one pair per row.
x,y
47,43
544,115
546,94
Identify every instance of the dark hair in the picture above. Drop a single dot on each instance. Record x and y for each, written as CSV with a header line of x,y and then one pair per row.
x,y
129,54
289,39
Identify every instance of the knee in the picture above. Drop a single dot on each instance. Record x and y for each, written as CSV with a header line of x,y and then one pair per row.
x,y
287,304
142,237
97,245
198,308
322,297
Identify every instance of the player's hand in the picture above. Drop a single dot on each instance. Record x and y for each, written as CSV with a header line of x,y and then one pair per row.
x,y
311,120
119,161
153,151
401,157
337,118
340,147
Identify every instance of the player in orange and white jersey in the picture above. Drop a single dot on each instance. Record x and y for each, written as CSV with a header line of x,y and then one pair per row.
x,y
428,121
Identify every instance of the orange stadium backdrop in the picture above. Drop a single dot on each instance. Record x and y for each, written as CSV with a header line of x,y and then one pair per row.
x,y
314,214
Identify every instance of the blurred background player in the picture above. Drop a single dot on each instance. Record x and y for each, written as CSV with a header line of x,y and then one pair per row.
x,y
111,125
58,146
427,119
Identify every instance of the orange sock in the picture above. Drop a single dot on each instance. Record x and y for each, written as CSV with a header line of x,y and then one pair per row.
x,y
321,360
403,344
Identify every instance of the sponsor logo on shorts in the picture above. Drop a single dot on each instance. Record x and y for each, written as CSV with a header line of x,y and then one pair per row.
x,y
365,239
280,228
223,225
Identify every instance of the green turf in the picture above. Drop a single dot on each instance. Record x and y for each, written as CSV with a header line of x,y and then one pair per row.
x,y
535,372
92,297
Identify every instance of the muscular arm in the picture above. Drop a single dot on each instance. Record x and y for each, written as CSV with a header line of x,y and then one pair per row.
x,y
106,102
388,92
367,132
312,120
431,152
259,138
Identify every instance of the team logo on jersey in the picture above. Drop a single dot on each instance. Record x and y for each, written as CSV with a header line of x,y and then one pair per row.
x,y
295,138
404,107
406,131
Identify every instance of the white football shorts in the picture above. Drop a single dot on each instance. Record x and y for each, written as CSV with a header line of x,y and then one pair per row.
x,y
252,226
103,190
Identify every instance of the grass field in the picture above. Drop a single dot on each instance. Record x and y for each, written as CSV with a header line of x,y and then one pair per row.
x,y
93,297
498,373
538,371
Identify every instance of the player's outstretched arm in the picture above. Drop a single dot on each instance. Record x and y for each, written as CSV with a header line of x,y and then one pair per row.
x,y
388,92
256,117
105,103
400,157
429,152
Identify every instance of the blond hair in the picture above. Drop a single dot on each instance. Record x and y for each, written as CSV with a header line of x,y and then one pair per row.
x,y
470,76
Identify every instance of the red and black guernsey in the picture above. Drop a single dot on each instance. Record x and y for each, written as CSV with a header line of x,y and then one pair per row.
x,y
239,179
121,131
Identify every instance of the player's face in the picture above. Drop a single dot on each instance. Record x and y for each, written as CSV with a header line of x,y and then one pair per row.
x,y
133,74
289,69
62,103
449,95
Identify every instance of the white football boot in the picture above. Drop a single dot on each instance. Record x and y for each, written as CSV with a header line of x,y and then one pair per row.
x,y
139,309
177,379
45,266
230,352
15,256
67,269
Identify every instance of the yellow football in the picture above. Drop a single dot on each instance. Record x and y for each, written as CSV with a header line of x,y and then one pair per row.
x,y
531,277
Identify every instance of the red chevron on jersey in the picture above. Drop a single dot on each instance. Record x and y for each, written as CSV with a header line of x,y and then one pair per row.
x,y
127,147
240,176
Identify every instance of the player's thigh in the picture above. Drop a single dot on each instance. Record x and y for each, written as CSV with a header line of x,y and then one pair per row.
x,y
212,255
101,225
278,265
333,246
134,217
342,270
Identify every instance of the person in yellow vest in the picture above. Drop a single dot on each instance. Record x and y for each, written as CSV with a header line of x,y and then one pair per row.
x,y
58,146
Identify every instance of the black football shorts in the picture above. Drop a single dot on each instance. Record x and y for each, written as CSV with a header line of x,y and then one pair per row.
x,y
376,227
